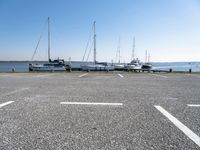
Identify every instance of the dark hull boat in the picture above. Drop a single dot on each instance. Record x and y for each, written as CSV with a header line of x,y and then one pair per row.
x,y
147,66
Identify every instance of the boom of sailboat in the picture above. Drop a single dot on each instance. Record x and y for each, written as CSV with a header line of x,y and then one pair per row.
x,y
61,65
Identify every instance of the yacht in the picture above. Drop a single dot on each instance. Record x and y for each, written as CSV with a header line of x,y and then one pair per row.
x,y
135,63
55,65
96,66
52,65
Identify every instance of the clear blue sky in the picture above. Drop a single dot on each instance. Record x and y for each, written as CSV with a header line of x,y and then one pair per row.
x,y
168,29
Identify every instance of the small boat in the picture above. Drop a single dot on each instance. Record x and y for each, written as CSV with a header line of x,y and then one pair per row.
x,y
55,65
134,65
119,66
147,65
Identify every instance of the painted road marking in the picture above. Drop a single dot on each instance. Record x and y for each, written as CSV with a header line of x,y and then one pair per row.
x,y
43,75
172,98
120,75
6,103
13,92
82,75
87,103
195,138
193,105
158,75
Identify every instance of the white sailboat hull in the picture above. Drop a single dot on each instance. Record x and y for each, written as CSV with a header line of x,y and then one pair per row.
x,y
133,67
46,68
119,67
97,68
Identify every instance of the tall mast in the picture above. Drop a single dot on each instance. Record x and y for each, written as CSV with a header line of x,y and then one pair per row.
x,y
49,39
119,50
146,57
117,58
149,58
133,49
94,44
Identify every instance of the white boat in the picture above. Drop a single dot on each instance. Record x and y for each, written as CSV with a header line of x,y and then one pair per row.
x,y
96,66
135,64
119,66
55,65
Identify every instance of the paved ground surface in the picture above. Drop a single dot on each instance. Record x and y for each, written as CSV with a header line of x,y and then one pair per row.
x,y
32,117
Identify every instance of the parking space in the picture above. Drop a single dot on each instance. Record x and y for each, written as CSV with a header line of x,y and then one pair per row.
x,y
99,111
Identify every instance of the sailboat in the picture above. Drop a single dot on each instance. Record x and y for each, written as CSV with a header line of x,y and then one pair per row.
x,y
96,66
147,65
52,65
135,63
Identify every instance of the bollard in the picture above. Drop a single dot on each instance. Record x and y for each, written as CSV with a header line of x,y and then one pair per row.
x,y
190,70
170,70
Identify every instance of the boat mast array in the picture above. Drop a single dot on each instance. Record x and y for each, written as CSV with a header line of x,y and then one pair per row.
x,y
95,52
49,40
133,50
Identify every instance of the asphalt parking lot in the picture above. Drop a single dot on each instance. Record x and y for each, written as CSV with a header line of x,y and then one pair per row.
x,y
103,111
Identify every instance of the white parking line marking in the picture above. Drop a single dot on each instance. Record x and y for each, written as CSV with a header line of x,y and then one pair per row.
x,y
172,98
193,105
43,75
83,75
195,138
6,103
120,75
13,92
158,75
86,103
